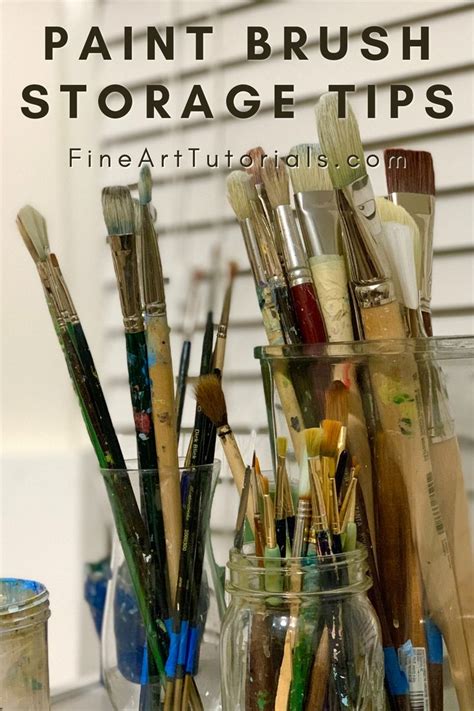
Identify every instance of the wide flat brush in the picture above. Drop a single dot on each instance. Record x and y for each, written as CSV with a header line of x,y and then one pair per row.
x,y
307,311
160,369
381,319
412,185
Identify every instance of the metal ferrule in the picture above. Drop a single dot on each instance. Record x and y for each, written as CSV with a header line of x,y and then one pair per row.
x,y
124,257
422,208
152,271
319,220
280,492
62,297
368,267
303,516
253,252
297,266
269,522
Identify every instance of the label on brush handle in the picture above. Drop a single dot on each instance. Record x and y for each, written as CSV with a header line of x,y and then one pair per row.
x,y
413,662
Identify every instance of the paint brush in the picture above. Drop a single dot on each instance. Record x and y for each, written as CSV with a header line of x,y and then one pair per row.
x,y
412,185
254,171
219,351
328,454
400,237
160,369
210,398
119,219
191,310
243,503
128,520
280,518
381,319
308,314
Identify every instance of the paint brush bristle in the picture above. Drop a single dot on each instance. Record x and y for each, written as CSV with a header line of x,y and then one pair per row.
x,y
282,445
330,438
210,398
313,438
409,171
117,207
388,211
337,402
241,192
32,227
145,185
255,170
340,139
307,175
276,182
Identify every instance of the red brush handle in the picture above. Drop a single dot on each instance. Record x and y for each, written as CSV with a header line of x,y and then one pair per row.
x,y
308,315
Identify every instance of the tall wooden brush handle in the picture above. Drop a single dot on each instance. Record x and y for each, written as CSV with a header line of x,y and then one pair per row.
x,y
237,468
398,403
162,395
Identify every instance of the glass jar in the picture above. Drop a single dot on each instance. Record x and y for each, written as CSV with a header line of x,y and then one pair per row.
x,y
301,634
406,410
128,677
24,614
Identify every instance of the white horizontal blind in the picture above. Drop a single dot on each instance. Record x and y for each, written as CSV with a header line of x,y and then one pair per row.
x,y
193,215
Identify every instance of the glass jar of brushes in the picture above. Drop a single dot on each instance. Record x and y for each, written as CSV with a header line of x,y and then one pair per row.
x,y
386,426
300,633
190,657
24,614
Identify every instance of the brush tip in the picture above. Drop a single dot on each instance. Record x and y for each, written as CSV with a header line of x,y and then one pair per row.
x,y
340,141
409,171
282,445
240,193
337,402
32,227
210,398
330,438
145,185
255,169
276,181
306,173
313,437
118,210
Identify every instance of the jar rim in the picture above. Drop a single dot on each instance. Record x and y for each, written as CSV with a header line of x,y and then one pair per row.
x,y
133,468
443,348
38,595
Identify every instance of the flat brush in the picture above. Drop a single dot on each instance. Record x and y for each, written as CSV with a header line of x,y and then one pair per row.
x,y
328,453
210,398
160,369
308,314
413,187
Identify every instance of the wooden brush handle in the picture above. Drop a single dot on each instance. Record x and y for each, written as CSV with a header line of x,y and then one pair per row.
x,y
330,279
448,481
319,674
237,468
260,686
398,402
284,386
162,393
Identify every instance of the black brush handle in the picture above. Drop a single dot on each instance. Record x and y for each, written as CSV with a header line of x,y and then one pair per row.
x,y
280,529
181,383
290,524
341,470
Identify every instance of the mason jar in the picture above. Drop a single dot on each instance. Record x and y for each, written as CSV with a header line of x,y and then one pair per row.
x,y
24,613
301,633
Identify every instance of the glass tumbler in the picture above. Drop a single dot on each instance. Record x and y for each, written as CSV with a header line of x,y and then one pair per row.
x,y
301,633
130,681
24,614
